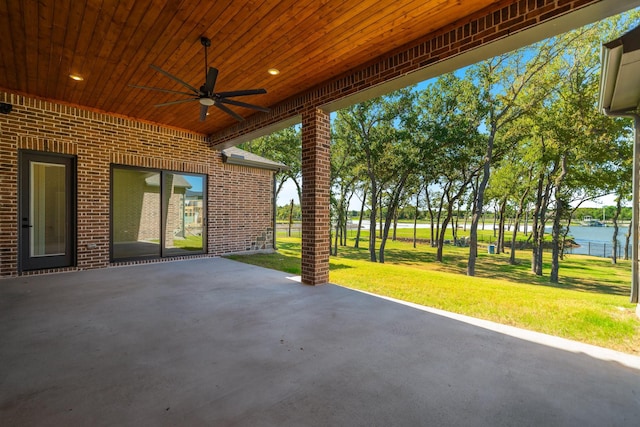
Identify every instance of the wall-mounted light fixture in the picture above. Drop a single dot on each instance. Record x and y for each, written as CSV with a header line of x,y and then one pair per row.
x,y
5,108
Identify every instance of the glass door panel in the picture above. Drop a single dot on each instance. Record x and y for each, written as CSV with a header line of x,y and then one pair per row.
x,y
47,210
135,198
48,231
183,214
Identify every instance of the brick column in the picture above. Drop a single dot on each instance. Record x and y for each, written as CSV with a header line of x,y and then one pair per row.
x,y
316,141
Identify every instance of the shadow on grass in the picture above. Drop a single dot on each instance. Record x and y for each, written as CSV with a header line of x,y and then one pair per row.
x,y
587,275
497,267
335,266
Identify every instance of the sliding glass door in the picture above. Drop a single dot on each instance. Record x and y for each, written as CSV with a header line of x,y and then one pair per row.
x,y
156,213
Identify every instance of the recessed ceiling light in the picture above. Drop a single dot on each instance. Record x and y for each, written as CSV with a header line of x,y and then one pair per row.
x,y
273,71
76,77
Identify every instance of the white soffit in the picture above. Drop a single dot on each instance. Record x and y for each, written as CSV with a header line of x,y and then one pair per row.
x,y
620,79
626,94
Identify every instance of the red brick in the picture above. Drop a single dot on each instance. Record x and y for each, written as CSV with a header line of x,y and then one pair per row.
x,y
241,196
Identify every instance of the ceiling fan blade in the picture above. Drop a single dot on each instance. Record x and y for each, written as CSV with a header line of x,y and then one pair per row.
x,y
229,112
203,112
241,93
244,104
161,90
212,76
176,102
172,77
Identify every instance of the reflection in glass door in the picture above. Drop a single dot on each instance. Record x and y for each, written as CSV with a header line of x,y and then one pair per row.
x,y
46,210
183,214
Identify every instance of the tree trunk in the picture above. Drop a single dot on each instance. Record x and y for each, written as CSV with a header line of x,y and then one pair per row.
x,y
614,239
473,209
415,219
298,189
339,220
439,216
391,213
290,217
364,200
495,218
431,228
347,217
466,216
627,238
516,225
443,229
454,230
473,235
380,209
335,241
540,232
372,222
343,231
539,214
501,231
556,230
534,227
514,236
395,225
555,239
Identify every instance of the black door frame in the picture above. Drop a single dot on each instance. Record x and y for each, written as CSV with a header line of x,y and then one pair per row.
x,y
163,253
25,261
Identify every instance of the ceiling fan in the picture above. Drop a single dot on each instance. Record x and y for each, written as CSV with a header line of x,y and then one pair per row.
x,y
206,95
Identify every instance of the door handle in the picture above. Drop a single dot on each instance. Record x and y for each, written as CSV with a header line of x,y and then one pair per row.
x,y
27,226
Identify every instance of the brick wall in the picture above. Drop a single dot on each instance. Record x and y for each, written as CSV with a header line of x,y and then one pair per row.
x,y
240,211
232,191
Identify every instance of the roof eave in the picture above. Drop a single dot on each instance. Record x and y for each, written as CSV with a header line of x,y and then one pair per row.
x,y
617,53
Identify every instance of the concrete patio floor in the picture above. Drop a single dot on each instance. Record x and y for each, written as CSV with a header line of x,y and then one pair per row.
x,y
213,342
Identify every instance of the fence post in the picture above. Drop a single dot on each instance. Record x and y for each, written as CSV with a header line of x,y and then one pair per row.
x,y
589,246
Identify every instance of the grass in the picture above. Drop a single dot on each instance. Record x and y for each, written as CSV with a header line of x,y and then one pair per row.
x,y
189,243
589,305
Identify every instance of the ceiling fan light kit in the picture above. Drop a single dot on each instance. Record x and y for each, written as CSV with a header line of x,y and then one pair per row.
x,y
206,95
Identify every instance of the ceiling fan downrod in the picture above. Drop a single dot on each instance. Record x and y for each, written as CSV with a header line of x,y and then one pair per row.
x,y
206,42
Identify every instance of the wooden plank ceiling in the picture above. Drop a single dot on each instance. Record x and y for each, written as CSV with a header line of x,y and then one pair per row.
x,y
111,43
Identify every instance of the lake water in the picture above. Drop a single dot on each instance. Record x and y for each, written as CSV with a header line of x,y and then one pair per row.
x,y
597,240
594,241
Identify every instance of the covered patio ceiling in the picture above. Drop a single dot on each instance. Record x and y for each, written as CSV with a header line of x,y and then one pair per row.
x,y
112,43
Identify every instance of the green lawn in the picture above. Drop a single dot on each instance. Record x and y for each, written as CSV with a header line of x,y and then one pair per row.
x,y
589,305
189,243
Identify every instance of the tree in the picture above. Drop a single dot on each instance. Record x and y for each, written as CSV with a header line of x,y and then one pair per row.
x,y
450,145
346,172
584,142
502,81
284,146
369,126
